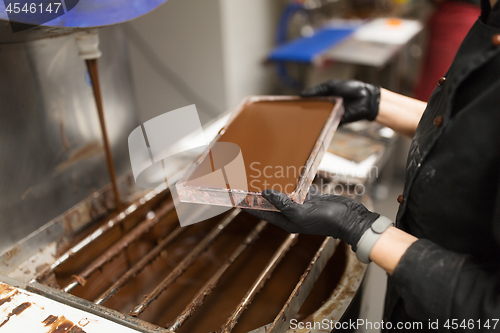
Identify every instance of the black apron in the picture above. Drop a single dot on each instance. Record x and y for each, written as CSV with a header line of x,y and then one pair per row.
x,y
452,174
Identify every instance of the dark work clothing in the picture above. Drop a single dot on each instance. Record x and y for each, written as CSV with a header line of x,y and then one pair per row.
x,y
452,194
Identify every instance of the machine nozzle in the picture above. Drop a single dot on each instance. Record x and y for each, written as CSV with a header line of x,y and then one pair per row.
x,y
88,44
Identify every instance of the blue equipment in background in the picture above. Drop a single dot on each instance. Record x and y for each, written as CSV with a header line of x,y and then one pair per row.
x,y
90,13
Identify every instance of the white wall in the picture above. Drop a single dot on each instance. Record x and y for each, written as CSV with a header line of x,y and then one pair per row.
x,y
248,30
216,46
186,36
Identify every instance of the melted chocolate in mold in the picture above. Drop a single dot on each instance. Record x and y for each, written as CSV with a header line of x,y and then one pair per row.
x,y
276,139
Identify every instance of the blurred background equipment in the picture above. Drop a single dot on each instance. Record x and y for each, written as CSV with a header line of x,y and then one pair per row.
x,y
64,236
337,39
79,235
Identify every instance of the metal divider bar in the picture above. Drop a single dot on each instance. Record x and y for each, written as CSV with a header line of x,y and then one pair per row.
x,y
303,288
185,263
117,248
139,266
150,197
211,284
259,283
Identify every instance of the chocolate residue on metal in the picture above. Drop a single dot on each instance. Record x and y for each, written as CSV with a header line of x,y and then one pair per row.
x,y
137,268
259,283
5,300
63,137
305,285
81,281
134,209
185,263
198,278
20,308
120,246
42,267
76,329
63,328
16,311
83,153
25,194
83,322
214,280
61,325
4,289
49,320
11,254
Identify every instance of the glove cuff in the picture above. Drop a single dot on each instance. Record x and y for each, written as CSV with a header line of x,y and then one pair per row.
x,y
374,102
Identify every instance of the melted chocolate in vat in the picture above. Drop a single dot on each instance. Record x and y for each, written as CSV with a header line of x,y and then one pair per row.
x,y
295,128
218,306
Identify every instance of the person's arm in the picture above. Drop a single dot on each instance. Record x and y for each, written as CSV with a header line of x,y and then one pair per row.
x,y
435,283
438,284
363,101
390,247
441,286
400,113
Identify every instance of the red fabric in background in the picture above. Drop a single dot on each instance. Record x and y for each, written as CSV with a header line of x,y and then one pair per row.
x,y
447,27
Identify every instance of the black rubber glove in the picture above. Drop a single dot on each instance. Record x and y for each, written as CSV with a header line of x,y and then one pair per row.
x,y
361,100
321,214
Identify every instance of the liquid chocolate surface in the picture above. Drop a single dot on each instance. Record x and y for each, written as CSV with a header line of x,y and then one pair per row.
x,y
232,287
276,139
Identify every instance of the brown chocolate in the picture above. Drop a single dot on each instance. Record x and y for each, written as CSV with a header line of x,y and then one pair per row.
x,y
94,77
16,311
61,325
276,139
49,320
5,300
231,288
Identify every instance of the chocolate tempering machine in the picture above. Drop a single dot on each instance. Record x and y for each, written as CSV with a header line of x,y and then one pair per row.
x,y
83,249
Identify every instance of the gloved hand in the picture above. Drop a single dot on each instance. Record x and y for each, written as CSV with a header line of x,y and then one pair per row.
x,y
321,214
361,100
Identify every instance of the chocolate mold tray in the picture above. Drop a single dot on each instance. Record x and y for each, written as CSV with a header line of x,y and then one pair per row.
x,y
283,132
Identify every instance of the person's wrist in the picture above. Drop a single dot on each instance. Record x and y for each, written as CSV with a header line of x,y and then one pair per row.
x,y
370,237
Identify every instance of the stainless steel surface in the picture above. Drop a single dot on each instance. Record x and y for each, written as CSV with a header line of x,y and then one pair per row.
x,y
185,263
137,268
89,307
304,286
43,248
290,241
350,279
148,200
338,302
51,142
40,246
152,219
214,280
40,32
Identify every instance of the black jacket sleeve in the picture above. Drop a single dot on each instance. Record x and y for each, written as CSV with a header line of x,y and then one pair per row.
x,y
442,285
